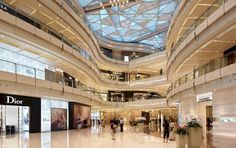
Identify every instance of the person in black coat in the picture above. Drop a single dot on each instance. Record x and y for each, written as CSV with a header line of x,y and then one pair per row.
x,y
166,127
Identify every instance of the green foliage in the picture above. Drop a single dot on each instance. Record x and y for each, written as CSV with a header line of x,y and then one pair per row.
x,y
181,131
193,123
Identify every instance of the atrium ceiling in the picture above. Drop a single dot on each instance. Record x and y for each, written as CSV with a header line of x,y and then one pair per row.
x,y
134,21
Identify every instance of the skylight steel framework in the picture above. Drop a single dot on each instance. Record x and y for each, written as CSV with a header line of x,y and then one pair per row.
x,y
143,22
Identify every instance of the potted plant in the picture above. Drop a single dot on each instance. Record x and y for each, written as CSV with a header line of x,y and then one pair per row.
x,y
195,133
181,137
140,122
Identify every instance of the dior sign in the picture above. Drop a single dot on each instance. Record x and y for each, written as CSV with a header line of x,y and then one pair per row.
x,y
12,100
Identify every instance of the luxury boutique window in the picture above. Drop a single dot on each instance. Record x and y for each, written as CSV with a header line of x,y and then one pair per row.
x,y
26,63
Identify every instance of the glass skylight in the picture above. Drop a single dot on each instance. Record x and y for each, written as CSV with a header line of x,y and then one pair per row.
x,y
144,22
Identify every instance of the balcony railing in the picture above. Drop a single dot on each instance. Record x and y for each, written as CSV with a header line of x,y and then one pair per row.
x,y
203,70
52,76
38,24
197,22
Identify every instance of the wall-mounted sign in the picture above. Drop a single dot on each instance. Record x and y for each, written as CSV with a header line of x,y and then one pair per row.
x,y
12,100
204,97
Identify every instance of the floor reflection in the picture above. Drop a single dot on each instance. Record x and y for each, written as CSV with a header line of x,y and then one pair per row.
x,y
99,137
94,137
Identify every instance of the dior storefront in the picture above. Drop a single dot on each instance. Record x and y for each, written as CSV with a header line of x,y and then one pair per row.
x,y
19,114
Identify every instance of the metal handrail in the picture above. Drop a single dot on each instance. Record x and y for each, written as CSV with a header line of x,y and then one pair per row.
x,y
38,24
51,77
197,22
203,70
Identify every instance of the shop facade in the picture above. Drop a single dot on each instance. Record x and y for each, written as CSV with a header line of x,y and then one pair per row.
x,y
19,114
79,115
23,114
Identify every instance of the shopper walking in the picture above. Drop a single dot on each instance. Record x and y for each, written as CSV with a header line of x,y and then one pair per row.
x,y
121,124
172,125
166,127
113,128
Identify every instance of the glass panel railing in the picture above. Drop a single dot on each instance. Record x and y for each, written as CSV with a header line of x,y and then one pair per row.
x,y
7,66
203,70
197,22
52,76
51,31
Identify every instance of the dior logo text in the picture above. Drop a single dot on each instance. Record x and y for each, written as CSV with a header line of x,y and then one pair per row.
x,y
12,100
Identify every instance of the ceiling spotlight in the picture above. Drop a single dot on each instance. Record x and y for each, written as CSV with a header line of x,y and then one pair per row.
x,y
40,5
2,36
100,4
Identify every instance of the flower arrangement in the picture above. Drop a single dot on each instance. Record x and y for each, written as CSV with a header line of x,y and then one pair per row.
x,y
181,130
193,123
140,120
153,119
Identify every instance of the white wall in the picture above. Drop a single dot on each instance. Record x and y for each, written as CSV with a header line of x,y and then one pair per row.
x,y
189,108
224,112
46,105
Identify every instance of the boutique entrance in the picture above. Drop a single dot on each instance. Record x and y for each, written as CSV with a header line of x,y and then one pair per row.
x,y
14,119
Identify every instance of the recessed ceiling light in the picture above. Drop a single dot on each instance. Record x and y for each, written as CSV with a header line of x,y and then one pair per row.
x,y
2,36
40,5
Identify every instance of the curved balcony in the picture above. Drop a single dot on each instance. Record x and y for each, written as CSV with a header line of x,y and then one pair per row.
x,y
190,42
119,65
35,83
66,44
214,70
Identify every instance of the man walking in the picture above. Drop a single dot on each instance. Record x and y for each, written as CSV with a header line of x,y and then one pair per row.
x,y
121,124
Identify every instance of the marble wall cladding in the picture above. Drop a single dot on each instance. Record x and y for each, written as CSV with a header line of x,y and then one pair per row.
x,y
224,112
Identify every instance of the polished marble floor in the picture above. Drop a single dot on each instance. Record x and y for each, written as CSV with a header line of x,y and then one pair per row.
x,y
85,138
98,137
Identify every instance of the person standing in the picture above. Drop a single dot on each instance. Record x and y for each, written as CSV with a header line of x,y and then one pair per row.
x,y
113,128
166,127
172,125
121,124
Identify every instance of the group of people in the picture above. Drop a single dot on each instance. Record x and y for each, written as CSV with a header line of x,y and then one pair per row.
x,y
168,130
114,126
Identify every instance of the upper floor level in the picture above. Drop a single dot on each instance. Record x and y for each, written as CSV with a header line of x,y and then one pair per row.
x,y
206,30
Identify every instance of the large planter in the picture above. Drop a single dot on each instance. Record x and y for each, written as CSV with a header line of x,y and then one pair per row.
x,y
140,127
195,137
181,140
152,126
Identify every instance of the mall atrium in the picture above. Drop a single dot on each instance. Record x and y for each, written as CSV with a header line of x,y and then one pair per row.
x,y
117,73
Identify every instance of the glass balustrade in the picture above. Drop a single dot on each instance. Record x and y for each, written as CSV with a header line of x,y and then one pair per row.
x,y
59,77
204,16
19,14
203,70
